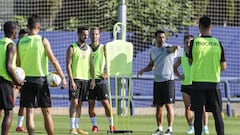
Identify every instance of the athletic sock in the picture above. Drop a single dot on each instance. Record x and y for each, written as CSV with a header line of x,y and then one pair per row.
x,y
20,121
77,121
94,121
72,123
109,121
170,128
160,128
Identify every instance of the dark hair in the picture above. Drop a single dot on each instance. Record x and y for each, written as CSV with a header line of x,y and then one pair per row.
x,y
159,31
188,36
22,31
205,21
81,29
9,27
33,20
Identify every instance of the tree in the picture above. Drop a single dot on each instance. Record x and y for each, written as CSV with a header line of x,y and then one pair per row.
x,y
146,16
47,9
21,20
224,12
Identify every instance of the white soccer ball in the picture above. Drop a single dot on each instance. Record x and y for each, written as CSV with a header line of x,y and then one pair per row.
x,y
20,74
53,79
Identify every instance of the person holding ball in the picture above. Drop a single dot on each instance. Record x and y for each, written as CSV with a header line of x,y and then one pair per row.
x,y
34,51
8,79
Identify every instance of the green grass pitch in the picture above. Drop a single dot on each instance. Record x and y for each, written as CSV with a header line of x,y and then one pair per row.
x,y
140,125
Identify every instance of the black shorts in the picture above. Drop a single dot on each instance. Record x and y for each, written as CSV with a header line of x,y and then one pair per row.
x,y
164,92
82,90
210,96
186,89
35,95
100,91
6,95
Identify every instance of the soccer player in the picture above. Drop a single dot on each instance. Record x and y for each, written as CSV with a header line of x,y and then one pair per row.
x,y
100,91
161,61
21,110
187,85
207,60
7,74
79,68
34,51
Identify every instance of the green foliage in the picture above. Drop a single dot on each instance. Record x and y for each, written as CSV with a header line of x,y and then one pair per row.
x,y
55,6
146,16
71,24
94,13
230,8
22,21
200,7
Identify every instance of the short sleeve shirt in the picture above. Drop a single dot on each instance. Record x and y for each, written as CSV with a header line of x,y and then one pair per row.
x,y
163,63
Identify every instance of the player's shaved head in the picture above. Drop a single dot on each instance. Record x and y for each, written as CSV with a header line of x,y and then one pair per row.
x,y
32,21
205,22
9,28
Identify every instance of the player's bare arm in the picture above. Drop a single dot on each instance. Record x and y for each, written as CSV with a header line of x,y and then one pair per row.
x,y
223,66
18,59
92,83
190,61
175,69
173,48
148,68
11,50
54,62
69,69
104,75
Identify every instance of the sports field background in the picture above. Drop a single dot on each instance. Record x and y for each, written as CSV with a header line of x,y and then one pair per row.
x,y
60,18
140,125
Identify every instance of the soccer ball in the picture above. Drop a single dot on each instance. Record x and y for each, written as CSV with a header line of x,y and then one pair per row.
x,y
53,79
20,74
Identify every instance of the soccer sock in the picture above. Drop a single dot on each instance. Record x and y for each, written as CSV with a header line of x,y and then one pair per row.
x,y
170,128
109,121
77,121
94,121
72,123
160,128
205,127
20,121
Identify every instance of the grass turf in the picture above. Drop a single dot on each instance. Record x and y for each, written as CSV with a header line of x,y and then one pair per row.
x,y
140,125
